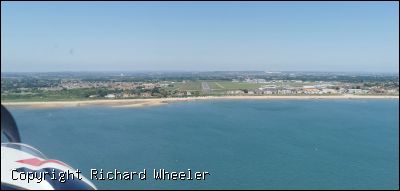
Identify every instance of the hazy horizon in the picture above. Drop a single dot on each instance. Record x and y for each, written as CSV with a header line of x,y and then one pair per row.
x,y
198,71
360,37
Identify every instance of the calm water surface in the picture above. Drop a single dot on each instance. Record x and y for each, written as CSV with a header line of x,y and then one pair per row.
x,y
310,144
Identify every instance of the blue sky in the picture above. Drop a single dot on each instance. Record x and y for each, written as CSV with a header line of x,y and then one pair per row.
x,y
200,36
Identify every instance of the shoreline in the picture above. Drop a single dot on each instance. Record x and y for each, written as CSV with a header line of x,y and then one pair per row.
x,y
163,101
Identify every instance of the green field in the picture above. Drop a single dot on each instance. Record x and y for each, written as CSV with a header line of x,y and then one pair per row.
x,y
186,86
217,86
227,85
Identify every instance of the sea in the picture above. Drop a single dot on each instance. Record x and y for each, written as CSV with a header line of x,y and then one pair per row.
x,y
241,144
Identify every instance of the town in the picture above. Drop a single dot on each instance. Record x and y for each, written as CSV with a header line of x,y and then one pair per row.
x,y
82,86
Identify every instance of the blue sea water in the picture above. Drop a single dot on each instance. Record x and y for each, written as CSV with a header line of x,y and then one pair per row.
x,y
254,144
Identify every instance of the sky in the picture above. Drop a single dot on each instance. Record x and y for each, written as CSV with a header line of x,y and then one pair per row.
x,y
200,36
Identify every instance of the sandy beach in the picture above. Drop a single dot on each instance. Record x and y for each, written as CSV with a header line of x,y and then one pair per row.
x,y
163,101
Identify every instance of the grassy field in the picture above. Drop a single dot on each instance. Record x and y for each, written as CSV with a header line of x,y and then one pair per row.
x,y
214,85
186,86
226,85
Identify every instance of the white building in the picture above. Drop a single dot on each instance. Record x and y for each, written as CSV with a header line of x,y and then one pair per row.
x,y
110,96
328,91
354,91
235,92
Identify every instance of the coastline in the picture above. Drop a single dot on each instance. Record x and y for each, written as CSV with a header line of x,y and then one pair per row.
x,y
162,101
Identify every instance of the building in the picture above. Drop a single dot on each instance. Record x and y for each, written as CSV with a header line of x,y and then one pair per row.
x,y
235,92
354,91
311,91
145,94
329,91
110,96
